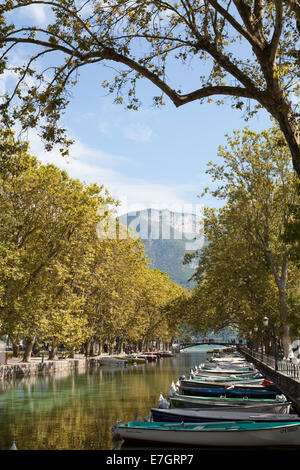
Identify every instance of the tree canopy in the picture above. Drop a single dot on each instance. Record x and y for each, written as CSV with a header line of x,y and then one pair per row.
x,y
61,282
246,269
243,49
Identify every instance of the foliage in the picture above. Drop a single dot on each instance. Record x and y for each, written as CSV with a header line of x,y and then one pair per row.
x,y
242,49
60,280
247,265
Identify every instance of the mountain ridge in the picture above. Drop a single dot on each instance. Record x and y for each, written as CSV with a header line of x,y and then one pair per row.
x,y
167,236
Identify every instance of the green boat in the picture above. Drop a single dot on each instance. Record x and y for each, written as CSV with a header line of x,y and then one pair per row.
x,y
230,378
229,434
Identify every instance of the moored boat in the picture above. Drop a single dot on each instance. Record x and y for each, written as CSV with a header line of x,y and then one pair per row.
x,y
197,415
226,373
131,359
229,392
251,385
113,361
148,357
256,378
278,405
165,354
225,434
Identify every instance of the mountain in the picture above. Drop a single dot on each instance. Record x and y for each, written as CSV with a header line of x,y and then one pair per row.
x,y
167,237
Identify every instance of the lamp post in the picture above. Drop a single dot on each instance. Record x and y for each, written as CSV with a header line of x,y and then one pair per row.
x,y
266,324
255,331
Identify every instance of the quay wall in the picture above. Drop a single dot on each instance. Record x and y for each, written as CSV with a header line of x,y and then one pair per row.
x,y
288,385
23,369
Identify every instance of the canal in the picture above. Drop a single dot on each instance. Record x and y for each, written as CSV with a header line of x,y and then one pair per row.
x,y
76,410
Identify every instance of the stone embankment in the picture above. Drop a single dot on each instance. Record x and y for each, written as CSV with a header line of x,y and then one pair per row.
x,y
290,386
36,366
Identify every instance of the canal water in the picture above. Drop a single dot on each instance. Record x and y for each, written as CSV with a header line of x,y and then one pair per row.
x,y
76,410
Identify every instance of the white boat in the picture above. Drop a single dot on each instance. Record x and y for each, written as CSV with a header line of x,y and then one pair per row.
x,y
227,359
112,361
218,372
229,434
197,415
279,405
228,365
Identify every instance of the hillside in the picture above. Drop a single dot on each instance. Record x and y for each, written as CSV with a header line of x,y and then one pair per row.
x,y
167,236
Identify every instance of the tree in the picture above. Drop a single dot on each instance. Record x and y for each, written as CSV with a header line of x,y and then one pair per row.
x,y
47,219
243,49
235,287
292,232
257,182
69,271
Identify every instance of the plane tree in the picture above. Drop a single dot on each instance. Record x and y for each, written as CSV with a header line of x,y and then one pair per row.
x,y
247,269
243,50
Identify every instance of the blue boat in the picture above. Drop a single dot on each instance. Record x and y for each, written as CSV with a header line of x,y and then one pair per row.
x,y
228,392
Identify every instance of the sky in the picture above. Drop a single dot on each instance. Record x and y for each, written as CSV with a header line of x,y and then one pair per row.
x,y
150,158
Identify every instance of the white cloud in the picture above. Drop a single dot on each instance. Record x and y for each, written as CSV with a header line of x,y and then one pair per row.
x,y
137,132
37,13
92,165
126,126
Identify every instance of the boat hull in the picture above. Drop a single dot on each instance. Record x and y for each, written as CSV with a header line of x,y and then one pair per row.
x,y
216,436
228,393
225,373
112,361
257,378
192,384
259,406
197,415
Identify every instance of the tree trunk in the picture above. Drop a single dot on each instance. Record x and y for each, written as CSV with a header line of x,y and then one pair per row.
x,y
286,338
36,348
100,347
91,350
53,352
281,282
72,353
289,127
28,349
16,348
87,347
121,347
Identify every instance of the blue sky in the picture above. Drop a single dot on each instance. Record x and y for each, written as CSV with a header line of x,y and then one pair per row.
x,y
149,158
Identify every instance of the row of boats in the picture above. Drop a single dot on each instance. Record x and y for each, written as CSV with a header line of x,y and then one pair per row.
x,y
225,402
132,359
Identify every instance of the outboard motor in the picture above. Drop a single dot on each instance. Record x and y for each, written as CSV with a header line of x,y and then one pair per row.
x,y
281,398
163,403
172,390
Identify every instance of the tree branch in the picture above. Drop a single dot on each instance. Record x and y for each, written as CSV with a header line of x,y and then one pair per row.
x,y
220,90
277,31
235,24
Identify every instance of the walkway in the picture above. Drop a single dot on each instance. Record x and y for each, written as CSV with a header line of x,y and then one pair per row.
x,y
289,385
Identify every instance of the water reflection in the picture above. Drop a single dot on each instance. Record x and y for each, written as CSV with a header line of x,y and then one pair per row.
x,y
76,410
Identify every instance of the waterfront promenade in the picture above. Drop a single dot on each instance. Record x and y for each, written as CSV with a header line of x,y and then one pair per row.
x,y
38,365
289,385
15,367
